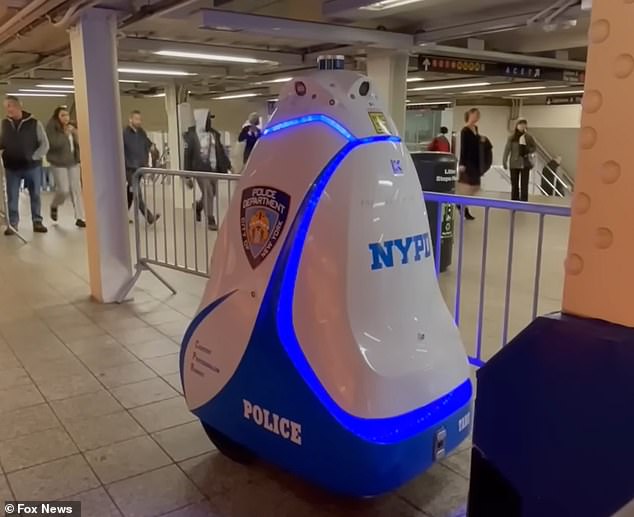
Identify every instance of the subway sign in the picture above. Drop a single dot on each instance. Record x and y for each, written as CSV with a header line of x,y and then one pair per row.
x,y
477,67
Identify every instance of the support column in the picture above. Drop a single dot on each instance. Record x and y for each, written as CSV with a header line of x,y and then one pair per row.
x,y
173,129
388,72
599,272
94,57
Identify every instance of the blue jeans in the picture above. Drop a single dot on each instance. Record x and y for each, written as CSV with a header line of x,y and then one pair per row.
x,y
33,182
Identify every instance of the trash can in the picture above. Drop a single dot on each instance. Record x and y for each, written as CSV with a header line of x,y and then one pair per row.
x,y
437,172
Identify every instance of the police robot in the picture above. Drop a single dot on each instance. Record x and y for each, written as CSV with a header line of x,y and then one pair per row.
x,y
322,344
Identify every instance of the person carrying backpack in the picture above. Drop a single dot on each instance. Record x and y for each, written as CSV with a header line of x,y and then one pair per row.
x,y
441,143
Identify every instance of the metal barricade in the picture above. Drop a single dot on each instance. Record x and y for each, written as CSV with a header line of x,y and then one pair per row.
x,y
179,238
494,288
472,294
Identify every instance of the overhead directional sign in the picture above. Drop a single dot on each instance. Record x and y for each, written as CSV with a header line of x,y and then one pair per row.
x,y
561,99
477,67
451,65
427,106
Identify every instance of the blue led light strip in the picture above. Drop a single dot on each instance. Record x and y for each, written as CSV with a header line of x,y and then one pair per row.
x,y
309,119
379,430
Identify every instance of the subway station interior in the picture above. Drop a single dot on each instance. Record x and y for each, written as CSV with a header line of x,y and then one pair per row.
x,y
317,258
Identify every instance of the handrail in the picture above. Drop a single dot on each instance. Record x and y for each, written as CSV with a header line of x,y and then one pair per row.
x,y
503,204
227,176
561,174
504,174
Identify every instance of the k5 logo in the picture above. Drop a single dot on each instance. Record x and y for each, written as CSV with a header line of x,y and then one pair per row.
x,y
397,168
407,249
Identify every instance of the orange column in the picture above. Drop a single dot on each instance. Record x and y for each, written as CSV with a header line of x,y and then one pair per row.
x,y
600,263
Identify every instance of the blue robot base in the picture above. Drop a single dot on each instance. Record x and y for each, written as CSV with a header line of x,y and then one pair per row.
x,y
269,409
554,423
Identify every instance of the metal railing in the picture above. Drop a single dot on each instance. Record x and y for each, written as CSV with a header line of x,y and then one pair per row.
x,y
537,180
172,230
479,287
561,175
477,296
559,183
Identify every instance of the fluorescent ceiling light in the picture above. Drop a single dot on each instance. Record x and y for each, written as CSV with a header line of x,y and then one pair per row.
x,y
444,103
156,95
153,71
120,80
236,96
518,89
569,92
207,57
41,94
414,79
56,86
381,5
447,87
273,81
32,90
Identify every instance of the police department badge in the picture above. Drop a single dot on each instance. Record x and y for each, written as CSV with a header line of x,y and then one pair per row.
x,y
263,213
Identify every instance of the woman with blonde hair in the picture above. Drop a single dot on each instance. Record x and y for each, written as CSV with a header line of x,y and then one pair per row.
x,y
471,158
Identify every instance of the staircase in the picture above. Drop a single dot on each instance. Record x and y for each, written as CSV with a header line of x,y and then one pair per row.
x,y
544,181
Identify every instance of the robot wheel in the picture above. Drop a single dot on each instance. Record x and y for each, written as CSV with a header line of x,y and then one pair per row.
x,y
228,447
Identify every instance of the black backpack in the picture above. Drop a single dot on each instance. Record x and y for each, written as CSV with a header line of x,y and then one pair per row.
x,y
486,155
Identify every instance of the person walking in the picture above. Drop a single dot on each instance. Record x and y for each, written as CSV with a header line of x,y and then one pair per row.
x,y
63,157
440,143
470,161
24,144
250,134
136,150
518,157
204,152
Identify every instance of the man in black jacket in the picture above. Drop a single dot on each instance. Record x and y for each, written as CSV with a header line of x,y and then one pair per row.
x,y
250,134
204,152
136,150
24,144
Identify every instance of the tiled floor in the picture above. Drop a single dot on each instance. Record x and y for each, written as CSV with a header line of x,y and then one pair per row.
x,y
91,409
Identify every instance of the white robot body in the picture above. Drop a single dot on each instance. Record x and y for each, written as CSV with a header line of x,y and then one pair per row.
x,y
323,280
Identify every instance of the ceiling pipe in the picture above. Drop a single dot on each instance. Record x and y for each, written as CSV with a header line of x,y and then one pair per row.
x,y
502,22
26,16
73,12
545,12
560,10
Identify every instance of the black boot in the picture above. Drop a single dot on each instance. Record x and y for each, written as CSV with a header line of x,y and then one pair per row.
x,y
211,223
467,214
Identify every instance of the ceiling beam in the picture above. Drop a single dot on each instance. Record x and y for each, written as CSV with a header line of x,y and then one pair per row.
x,y
25,69
152,45
287,28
